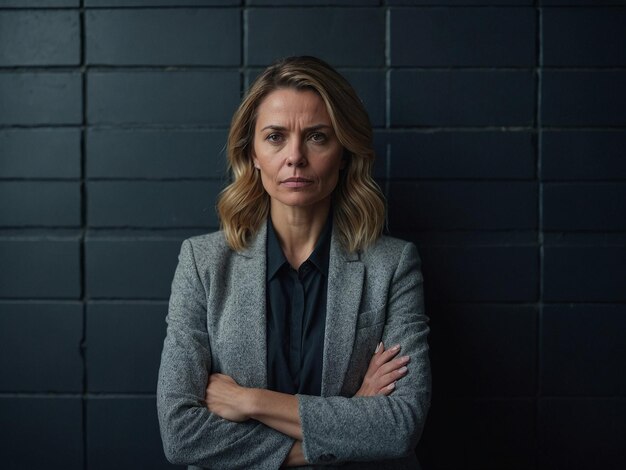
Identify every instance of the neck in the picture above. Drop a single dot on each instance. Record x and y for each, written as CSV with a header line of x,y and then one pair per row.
x,y
299,228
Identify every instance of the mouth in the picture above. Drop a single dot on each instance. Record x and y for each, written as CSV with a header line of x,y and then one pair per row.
x,y
296,182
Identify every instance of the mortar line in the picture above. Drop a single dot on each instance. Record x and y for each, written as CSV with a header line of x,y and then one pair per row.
x,y
83,224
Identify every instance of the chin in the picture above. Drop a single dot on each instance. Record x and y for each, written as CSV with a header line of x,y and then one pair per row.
x,y
300,199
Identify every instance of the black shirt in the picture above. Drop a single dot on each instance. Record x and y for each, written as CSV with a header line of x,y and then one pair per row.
x,y
296,316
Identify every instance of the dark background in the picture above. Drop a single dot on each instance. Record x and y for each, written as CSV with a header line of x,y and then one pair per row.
x,y
501,136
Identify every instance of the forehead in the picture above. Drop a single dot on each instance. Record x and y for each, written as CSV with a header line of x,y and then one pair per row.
x,y
287,104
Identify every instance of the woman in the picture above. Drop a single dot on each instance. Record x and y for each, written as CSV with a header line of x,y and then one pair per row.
x,y
275,350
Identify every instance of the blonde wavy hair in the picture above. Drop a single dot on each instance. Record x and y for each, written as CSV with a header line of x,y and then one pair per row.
x,y
357,201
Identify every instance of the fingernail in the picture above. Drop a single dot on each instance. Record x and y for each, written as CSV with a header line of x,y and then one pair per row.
x,y
404,358
378,347
402,369
396,347
391,386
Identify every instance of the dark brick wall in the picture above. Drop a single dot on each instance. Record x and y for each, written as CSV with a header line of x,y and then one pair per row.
x,y
501,136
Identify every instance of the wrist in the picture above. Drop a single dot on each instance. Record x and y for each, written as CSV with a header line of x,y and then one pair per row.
x,y
249,402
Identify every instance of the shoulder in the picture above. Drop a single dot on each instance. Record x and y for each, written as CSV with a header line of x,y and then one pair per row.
x,y
391,258
208,242
206,250
389,250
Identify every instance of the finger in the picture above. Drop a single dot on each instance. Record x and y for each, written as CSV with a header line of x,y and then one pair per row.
x,y
390,353
217,377
387,355
386,390
373,365
392,365
390,377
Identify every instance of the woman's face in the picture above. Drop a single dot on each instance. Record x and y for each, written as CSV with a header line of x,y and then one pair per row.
x,y
295,148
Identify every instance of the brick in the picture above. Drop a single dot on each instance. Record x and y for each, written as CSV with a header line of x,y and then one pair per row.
x,y
454,154
584,36
40,98
371,88
440,37
584,273
462,98
40,153
481,273
39,38
571,353
159,3
313,3
175,97
249,75
585,238
460,2
39,3
54,424
583,98
152,203
163,36
487,434
492,338
42,203
40,269
462,205
141,268
145,153
113,427
583,155
113,330
584,206
471,237
351,37
40,347
379,169
582,2
582,432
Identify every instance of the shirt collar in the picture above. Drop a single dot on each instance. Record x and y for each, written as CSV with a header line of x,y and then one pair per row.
x,y
275,256
320,256
321,253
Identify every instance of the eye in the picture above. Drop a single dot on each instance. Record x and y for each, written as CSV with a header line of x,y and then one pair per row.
x,y
274,138
318,137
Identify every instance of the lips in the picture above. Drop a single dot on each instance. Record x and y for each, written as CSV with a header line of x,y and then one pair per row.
x,y
296,182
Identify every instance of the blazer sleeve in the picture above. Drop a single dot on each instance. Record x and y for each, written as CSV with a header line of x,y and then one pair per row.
x,y
191,434
339,429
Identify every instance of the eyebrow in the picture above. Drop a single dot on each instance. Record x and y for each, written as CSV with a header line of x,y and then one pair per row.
x,y
306,129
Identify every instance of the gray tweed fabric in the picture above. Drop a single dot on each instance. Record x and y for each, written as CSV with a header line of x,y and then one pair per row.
x,y
216,323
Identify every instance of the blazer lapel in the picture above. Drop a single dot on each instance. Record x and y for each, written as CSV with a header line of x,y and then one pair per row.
x,y
250,284
345,285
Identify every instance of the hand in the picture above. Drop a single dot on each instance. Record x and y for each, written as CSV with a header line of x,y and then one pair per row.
x,y
226,398
383,371
295,458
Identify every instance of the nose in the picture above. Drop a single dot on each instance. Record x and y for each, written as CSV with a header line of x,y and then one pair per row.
x,y
296,156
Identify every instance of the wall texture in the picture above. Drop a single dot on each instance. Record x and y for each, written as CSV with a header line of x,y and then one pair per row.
x,y
501,136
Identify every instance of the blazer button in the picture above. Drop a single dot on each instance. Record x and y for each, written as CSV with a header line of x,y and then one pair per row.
x,y
327,457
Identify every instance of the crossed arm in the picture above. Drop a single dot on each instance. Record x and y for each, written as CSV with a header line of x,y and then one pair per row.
x,y
279,411
381,426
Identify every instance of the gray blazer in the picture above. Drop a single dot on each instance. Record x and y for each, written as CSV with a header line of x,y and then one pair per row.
x,y
216,323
